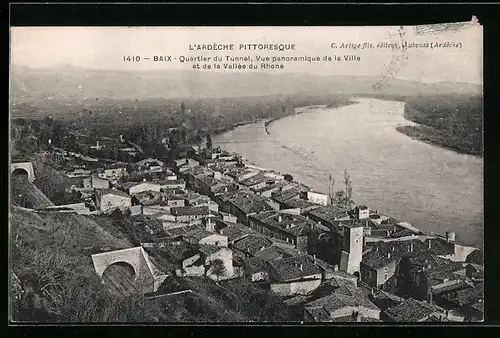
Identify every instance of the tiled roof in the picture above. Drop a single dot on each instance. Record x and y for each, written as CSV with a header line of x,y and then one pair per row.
x,y
249,202
319,314
402,233
183,230
297,225
381,294
199,234
207,250
255,264
233,233
286,269
475,257
256,179
296,300
327,288
479,305
422,259
285,195
272,186
170,182
440,246
461,285
337,301
411,310
329,213
275,252
437,274
383,253
467,296
175,252
183,211
252,244
300,203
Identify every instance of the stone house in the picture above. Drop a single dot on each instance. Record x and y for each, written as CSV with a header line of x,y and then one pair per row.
x,y
94,182
110,199
293,275
412,310
293,229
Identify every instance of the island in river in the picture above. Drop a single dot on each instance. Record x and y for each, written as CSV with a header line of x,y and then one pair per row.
x,y
450,121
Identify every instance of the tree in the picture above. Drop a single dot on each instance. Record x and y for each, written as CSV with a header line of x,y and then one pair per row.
x,y
331,184
209,141
116,215
340,197
218,268
288,177
348,187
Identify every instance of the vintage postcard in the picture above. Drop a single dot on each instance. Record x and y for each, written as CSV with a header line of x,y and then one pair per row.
x,y
246,174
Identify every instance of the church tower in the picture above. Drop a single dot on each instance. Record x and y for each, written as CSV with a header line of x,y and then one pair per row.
x,y
352,248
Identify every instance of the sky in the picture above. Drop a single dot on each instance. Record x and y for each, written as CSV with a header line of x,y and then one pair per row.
x,y
105,47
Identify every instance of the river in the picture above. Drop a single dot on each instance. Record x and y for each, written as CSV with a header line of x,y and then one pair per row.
x,y
433,188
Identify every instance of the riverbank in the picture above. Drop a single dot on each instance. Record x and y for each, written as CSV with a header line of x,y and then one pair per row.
x,y
454,124
426,183
219,131
304,109
434,137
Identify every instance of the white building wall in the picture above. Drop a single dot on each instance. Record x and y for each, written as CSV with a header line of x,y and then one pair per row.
x,y
215,239
110,201
318,198
144,187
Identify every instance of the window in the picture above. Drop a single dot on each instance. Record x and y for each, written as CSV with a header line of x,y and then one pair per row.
x,y
385,269
385,276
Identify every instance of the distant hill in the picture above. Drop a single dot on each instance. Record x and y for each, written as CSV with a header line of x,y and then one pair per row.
x,y
73,83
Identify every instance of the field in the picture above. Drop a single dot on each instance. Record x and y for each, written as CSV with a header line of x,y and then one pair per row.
x,y
450,121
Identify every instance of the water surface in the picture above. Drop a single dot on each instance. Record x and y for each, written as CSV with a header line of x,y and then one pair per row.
x,y
432,188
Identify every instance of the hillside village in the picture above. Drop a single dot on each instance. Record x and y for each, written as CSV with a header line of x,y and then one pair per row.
x,y
211,216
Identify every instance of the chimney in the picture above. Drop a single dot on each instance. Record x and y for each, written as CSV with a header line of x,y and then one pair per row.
x,y
301,267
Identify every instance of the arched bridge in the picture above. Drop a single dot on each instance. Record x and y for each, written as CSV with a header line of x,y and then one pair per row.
x,y
146,278
23,168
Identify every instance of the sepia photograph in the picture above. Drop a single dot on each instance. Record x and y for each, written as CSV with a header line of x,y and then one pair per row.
x,y
258,174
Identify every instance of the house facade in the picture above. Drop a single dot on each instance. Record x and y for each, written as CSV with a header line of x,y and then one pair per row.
x,y
94,182
111,199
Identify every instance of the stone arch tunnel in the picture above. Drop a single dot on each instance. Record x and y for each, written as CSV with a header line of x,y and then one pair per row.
x,y
128,269
23,169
